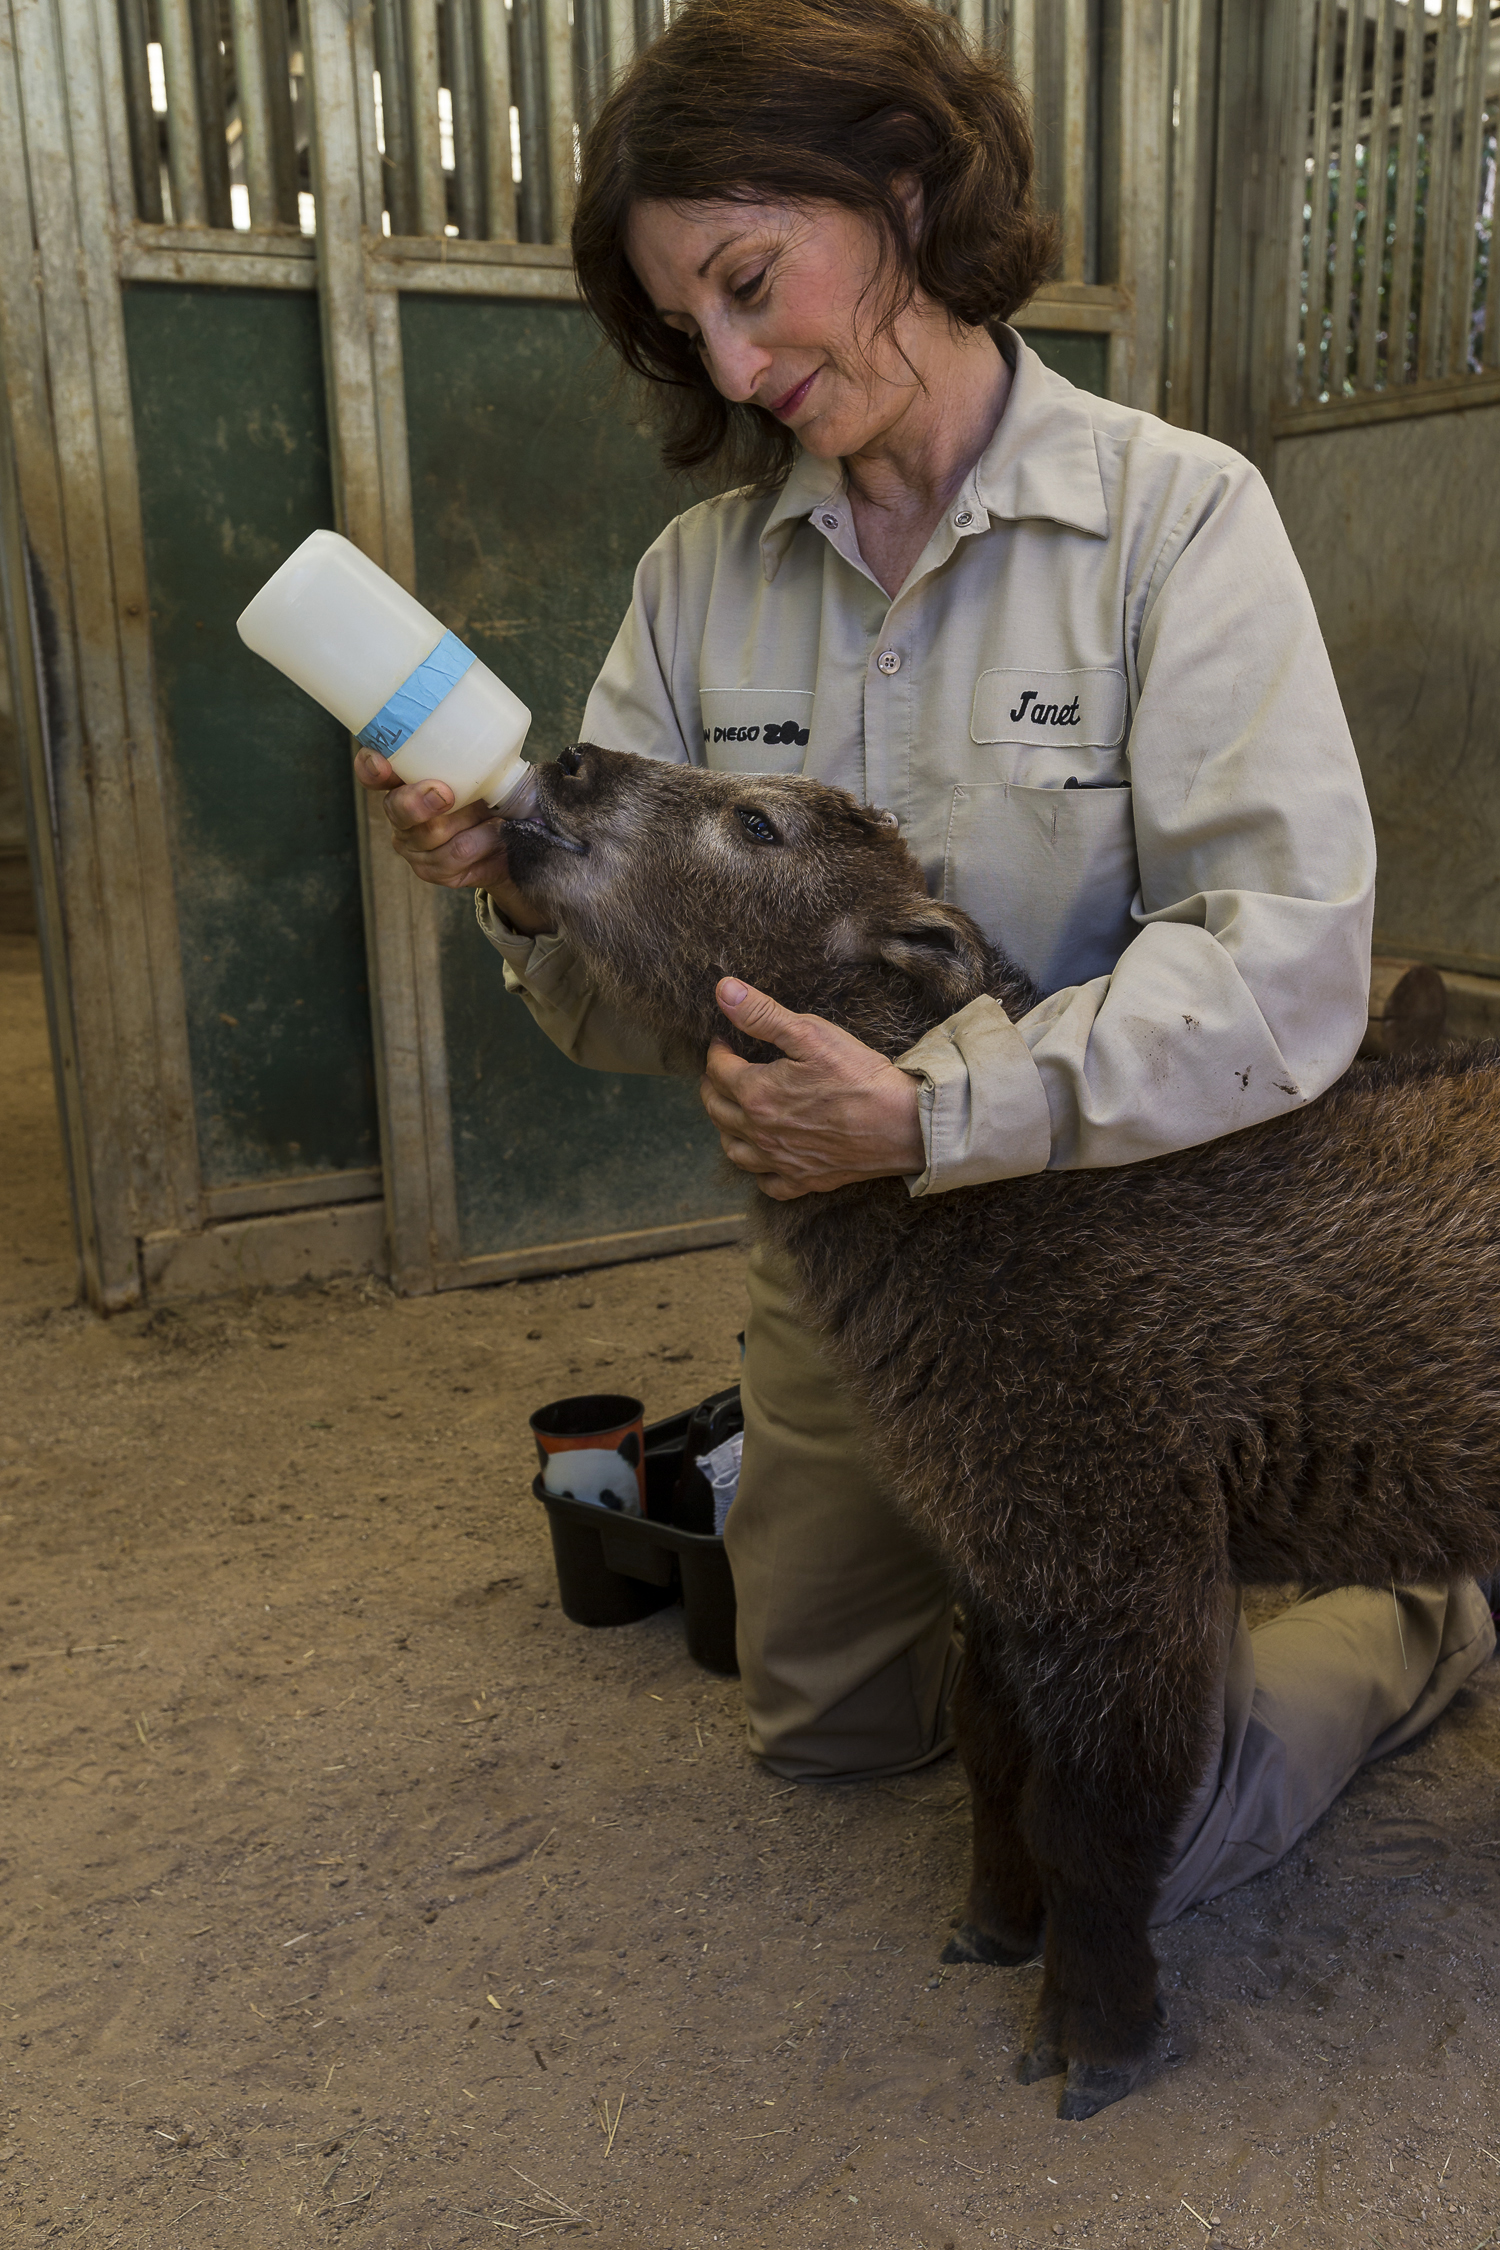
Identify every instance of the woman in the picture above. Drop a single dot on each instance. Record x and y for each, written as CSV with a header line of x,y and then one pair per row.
x,y
1071,650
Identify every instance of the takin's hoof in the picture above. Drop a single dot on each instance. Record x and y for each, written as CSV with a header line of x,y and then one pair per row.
x,y
970,1944
1041,2061
1094,2086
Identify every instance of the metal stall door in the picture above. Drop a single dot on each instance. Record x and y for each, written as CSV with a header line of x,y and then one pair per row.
x,y
1384,440
273,263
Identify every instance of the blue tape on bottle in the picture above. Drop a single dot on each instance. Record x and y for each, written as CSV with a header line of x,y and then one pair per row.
x,y
418,696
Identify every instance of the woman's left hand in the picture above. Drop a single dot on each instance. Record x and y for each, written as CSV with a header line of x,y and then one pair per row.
x,y
831,1111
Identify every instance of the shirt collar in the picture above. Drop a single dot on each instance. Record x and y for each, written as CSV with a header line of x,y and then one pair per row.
x,y
1041,461
812,483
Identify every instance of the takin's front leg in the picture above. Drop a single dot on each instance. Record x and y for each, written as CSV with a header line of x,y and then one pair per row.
x,y
1121,1726
1003,1920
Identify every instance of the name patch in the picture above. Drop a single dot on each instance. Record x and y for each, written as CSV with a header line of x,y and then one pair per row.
x,y
1084,708
756,730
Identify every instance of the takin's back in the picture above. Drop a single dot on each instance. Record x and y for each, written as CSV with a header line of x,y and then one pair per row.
x,y
1291,1333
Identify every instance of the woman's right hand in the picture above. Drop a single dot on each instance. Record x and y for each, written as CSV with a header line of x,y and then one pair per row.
x,y
461,847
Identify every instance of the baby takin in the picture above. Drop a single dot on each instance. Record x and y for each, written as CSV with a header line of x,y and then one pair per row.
x,y
1107,1398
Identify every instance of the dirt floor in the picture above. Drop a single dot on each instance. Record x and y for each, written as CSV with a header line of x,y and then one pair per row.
x,y
348,1891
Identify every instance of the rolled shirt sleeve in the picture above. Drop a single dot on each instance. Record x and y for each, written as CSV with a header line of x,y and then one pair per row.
x,y
547,974
1245,991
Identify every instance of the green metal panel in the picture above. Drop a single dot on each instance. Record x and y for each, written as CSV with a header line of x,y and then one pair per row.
x,y
227,387
533,497
1079,355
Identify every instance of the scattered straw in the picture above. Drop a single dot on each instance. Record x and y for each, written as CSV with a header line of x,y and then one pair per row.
x,y
608,2125
1206,2224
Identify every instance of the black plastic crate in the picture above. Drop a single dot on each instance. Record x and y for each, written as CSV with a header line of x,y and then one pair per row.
x,y
613,1569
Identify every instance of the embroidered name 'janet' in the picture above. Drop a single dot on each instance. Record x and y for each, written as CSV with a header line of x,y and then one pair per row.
x,y
1085,707
1046,714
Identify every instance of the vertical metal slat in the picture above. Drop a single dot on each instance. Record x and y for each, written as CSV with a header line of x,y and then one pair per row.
x,y
1463,200
1286,382
1023,45
1184,301
431,213
255,111
1439,173
1075,138
1317,240
145,158
560,114
395,114
273,26
212,117
494,79
1491,314
1341,296
1377,150
184,136
362,63
529,78
621,20
468,148
1403,232
970,14
590,59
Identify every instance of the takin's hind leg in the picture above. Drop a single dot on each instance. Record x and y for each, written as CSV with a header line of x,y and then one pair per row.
x,y
1121,1744
1003,1919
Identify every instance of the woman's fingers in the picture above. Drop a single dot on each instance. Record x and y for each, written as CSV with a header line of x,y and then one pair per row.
x,y
473,857
457,846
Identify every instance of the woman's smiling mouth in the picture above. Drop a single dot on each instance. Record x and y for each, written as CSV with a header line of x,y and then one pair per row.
x,y
782,407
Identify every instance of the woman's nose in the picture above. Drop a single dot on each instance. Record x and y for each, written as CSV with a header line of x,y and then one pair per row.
x,y
735,364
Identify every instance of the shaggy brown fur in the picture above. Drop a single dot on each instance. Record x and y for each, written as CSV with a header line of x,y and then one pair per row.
x,y
1106,1397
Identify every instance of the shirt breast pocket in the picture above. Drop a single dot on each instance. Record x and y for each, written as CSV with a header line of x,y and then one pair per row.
x,y
756,730
1050,875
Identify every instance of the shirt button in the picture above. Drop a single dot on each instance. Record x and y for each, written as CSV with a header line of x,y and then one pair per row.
x,y
888,661
829,523
963,519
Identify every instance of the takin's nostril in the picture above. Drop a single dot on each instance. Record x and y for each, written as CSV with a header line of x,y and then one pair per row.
x,y
571,759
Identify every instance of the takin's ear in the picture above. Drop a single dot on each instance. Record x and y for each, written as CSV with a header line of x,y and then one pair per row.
x,y
932,943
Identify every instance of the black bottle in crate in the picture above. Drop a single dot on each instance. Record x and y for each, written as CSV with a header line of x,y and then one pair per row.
x,y
614,1569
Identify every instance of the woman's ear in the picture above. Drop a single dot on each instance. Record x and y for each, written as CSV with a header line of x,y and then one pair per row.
x,y
907,188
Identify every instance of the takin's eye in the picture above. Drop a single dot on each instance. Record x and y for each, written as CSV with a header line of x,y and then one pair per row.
x,y
756,825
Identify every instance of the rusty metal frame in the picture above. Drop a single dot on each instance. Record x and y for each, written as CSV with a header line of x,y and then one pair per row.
x,y
124,1082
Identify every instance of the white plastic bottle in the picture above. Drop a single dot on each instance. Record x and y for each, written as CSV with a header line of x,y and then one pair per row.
x,y
368,652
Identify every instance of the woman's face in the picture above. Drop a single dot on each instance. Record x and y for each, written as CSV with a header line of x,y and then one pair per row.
x,y
777,299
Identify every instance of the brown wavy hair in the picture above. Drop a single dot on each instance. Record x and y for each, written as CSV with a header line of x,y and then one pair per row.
x,y
798,101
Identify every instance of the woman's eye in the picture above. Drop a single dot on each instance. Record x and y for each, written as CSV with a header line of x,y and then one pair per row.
x,y
756,824
748,291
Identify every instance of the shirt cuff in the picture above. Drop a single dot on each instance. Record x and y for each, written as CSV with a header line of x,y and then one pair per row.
x,y
982,1102
532,964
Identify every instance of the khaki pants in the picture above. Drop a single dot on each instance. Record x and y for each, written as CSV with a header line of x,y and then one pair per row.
x,y
848,1656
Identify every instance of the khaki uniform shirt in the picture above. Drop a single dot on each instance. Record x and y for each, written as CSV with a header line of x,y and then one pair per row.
x,y
1101,709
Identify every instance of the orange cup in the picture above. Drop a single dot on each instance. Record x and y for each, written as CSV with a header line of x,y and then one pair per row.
x,y
594,1449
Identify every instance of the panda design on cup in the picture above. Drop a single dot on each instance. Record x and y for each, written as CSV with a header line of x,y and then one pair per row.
x,y
594,1449
605,1479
